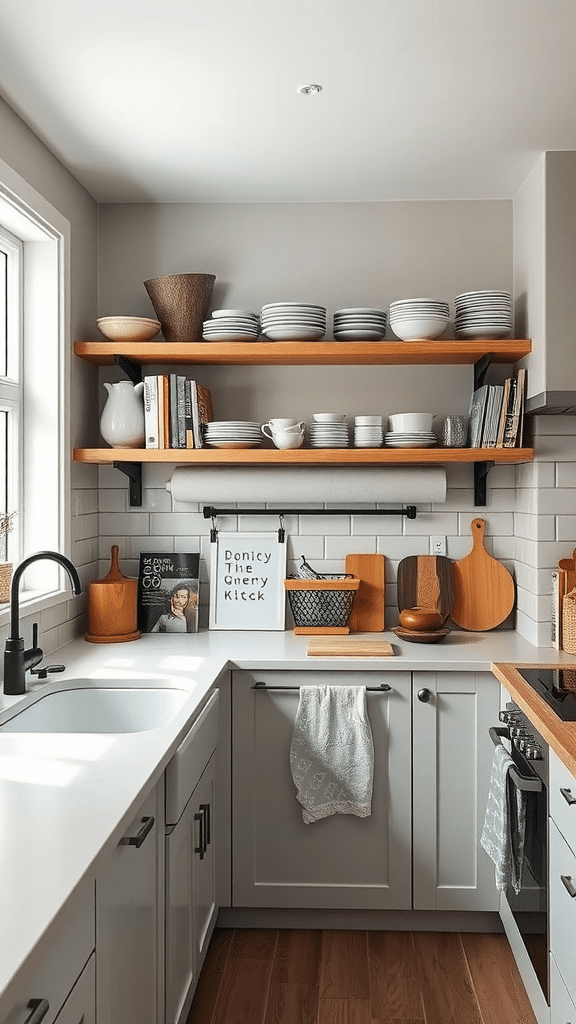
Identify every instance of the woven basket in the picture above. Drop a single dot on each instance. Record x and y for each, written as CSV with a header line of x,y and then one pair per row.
x,y
569,622
322,602
181,302
5,581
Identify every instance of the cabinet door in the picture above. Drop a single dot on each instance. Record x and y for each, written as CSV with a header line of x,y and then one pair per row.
x,y
562,1009
190,895
343,861
129,923
452,764
80,1007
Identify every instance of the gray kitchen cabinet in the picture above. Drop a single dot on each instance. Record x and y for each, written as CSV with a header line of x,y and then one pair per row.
x,y
562,891
62,987
452,758
129,921
342,862
190,860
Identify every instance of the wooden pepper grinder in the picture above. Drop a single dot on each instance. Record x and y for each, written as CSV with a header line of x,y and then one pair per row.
x,y
112,606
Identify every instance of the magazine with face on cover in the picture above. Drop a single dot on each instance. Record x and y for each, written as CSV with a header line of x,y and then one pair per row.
x,y
168,592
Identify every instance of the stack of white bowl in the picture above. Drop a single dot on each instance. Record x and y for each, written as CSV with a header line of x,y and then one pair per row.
x,y
231,325
411,430
328,430
293,321
485,314
359,323
419,319
368,431
232,434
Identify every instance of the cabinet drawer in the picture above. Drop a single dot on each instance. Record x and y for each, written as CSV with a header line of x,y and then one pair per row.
x,y
70,948
563,908
562,791
190,759
562,1009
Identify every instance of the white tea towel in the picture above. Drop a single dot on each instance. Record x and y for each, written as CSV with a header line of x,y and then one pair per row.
x,y
504,823
332,753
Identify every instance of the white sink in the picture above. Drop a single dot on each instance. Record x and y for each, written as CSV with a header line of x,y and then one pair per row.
x,y
104,709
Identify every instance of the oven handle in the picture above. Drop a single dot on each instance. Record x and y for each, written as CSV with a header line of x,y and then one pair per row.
x,y
533,785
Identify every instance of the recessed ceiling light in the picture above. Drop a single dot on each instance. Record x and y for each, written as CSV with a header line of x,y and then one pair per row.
x,y
310,90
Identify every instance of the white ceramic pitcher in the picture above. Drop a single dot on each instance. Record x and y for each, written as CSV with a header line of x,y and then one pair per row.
x,y
122,420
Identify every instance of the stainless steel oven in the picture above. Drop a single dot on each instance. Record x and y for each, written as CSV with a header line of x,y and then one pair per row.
x,y
529,907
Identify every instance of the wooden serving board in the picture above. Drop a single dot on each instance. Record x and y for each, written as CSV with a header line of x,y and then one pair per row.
x,y
367,614
426,581
349,646
484,587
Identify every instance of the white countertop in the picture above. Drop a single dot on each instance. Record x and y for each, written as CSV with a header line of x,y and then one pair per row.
x,y
66,799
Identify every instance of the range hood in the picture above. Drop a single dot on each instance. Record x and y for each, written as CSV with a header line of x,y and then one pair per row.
x,y
552,403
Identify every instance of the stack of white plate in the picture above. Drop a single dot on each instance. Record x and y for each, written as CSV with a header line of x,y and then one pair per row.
x,y
367,431
293,321
328,430
414,439
231,325
359,323
419,319
486,314
233,434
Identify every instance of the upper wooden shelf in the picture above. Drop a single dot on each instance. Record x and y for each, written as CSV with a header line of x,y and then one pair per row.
x,y
302,353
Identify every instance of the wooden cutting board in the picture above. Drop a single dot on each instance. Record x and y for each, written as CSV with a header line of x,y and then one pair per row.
x,y
484,587
368,609
350,647
426,581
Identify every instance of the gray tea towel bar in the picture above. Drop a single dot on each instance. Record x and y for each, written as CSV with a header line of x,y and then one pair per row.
x,y
383,688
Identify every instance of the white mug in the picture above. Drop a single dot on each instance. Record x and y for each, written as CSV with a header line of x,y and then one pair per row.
x,y
282,424
286,439
271,431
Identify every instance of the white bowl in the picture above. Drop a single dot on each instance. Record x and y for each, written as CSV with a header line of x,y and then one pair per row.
x,y
408,421
128,328
422,328
328,417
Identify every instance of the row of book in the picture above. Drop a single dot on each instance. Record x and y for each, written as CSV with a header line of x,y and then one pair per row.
x,y
175,411
497,414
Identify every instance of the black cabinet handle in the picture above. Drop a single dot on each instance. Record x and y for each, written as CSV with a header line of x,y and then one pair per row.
x,y
38,1009
567,883
200,816
568,796
138,839
205,808
425,695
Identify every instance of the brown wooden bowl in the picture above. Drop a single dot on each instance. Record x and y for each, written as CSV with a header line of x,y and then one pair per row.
x,y
420,619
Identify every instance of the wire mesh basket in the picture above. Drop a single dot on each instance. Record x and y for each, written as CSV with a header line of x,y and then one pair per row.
x,y
322,602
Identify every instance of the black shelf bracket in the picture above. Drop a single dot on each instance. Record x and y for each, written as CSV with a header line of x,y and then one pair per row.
x,y
481,470
133,471
211,513
130,368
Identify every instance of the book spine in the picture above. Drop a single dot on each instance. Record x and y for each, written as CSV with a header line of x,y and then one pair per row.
x,y
558,587
181,410
151,411
188,423
173,393
510,425
198,439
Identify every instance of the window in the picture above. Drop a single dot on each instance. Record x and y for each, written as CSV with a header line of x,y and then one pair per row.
x,y
11,384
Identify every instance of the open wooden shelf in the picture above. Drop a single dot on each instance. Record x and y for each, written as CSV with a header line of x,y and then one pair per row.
x,y
303,456
303,353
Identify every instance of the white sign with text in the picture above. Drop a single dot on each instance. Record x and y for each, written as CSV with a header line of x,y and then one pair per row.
x,y
247,581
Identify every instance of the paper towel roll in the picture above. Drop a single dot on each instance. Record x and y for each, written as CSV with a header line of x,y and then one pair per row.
x,y
409,485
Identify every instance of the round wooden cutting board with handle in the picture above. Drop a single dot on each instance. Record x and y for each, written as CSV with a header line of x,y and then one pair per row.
x,y
484,589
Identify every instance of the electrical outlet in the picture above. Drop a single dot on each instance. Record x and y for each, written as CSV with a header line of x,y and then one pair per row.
x,y
437,545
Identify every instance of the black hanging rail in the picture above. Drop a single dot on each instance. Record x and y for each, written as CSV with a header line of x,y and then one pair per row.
x,y
383,688
211,513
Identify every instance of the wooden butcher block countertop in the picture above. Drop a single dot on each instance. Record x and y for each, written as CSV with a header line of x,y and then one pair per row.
x,y
560,735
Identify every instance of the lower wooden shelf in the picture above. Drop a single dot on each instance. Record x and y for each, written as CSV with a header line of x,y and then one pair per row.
x,y
304,456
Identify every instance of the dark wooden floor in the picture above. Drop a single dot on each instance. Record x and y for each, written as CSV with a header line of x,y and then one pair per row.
x,y
265,976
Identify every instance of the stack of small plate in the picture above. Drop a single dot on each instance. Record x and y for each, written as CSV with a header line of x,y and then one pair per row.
x,y
231,325
233,434
293,321
415,439
486,314
359,324
368,432
328,430
419,319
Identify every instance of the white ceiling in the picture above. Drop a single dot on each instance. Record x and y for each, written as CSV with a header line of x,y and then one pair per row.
x,y
197,101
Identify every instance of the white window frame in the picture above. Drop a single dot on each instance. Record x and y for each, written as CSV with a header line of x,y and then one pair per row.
x,y
11,385
43,427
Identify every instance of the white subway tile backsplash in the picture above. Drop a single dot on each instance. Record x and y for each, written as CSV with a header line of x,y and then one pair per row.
x,y
554,425
326,525
566,474
397,548
388,526
85,526
125,524
557,501
532,527
430,523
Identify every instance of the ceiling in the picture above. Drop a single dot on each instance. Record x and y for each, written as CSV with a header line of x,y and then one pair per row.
x,y
197,100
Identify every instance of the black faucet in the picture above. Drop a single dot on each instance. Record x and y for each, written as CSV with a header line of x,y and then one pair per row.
x,y
16,660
